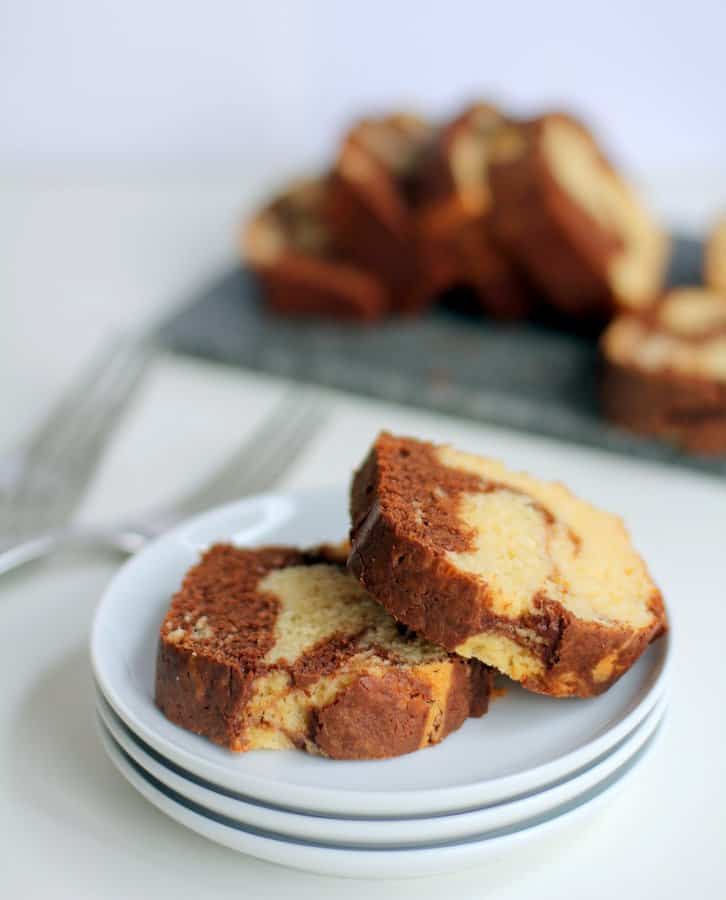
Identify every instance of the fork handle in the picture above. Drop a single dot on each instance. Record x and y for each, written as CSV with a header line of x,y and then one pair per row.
x,y
126,539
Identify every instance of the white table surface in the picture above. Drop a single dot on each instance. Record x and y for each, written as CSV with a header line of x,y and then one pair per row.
x,y
80,257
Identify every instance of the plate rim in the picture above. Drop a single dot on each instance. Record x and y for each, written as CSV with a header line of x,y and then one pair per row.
x,y
372,862
464,823
352,801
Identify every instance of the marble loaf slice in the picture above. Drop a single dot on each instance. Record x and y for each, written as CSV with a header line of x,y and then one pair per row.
x,y
277,648
301,271
499,566
371,204
456,246
664,372
572,221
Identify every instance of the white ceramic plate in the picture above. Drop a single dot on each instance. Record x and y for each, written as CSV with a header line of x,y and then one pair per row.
x,y
381,833
524,743
360,862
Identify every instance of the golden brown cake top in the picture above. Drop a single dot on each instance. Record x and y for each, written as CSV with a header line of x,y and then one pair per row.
x,y
684,335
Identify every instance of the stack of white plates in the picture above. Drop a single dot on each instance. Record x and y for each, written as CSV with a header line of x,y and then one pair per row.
x,y
530,766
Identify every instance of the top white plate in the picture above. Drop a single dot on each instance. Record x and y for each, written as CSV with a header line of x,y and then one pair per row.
x,y
524,743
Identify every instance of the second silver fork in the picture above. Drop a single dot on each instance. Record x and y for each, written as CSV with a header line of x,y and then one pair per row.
x,y
256,466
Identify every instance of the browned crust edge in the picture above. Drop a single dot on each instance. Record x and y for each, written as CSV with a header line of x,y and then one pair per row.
x,y
381,717
427,593
307,286
386,246
374,718
375,226
686,411
202,695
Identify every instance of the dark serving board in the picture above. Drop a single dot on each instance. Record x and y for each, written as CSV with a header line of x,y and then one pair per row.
x,y
525,376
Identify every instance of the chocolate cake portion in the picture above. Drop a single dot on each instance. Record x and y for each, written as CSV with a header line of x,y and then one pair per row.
x,y
278,648
664,372
714,264
457,246
572,221
303,272
499,566
371,203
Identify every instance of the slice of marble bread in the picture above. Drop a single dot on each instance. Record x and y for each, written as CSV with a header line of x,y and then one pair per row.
x,y
300,268
275,648
499,566
572,221
664,372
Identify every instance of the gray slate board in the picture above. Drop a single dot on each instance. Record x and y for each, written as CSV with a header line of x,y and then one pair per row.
x,y
525,376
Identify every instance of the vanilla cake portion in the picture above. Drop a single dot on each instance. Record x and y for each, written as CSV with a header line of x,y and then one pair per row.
x,y
573,221
715,259
277,648
664,372
502,567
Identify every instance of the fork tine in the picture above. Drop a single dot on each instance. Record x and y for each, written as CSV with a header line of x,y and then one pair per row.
x,y
89,417
61,457
276,462
76,396
263,457
78,459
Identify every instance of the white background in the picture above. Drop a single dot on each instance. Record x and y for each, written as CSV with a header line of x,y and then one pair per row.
x,y
272,83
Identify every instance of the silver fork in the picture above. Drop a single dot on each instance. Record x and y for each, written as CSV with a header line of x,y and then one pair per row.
x,y
255,466
43,480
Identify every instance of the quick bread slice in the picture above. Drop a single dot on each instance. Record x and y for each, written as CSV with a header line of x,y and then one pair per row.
x,y
371,203
454,213
664,372
572,221
499,566
301,270
277,648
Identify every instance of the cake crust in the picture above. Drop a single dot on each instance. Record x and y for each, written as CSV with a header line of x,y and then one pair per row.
x,y
411,546
664,372
279,648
